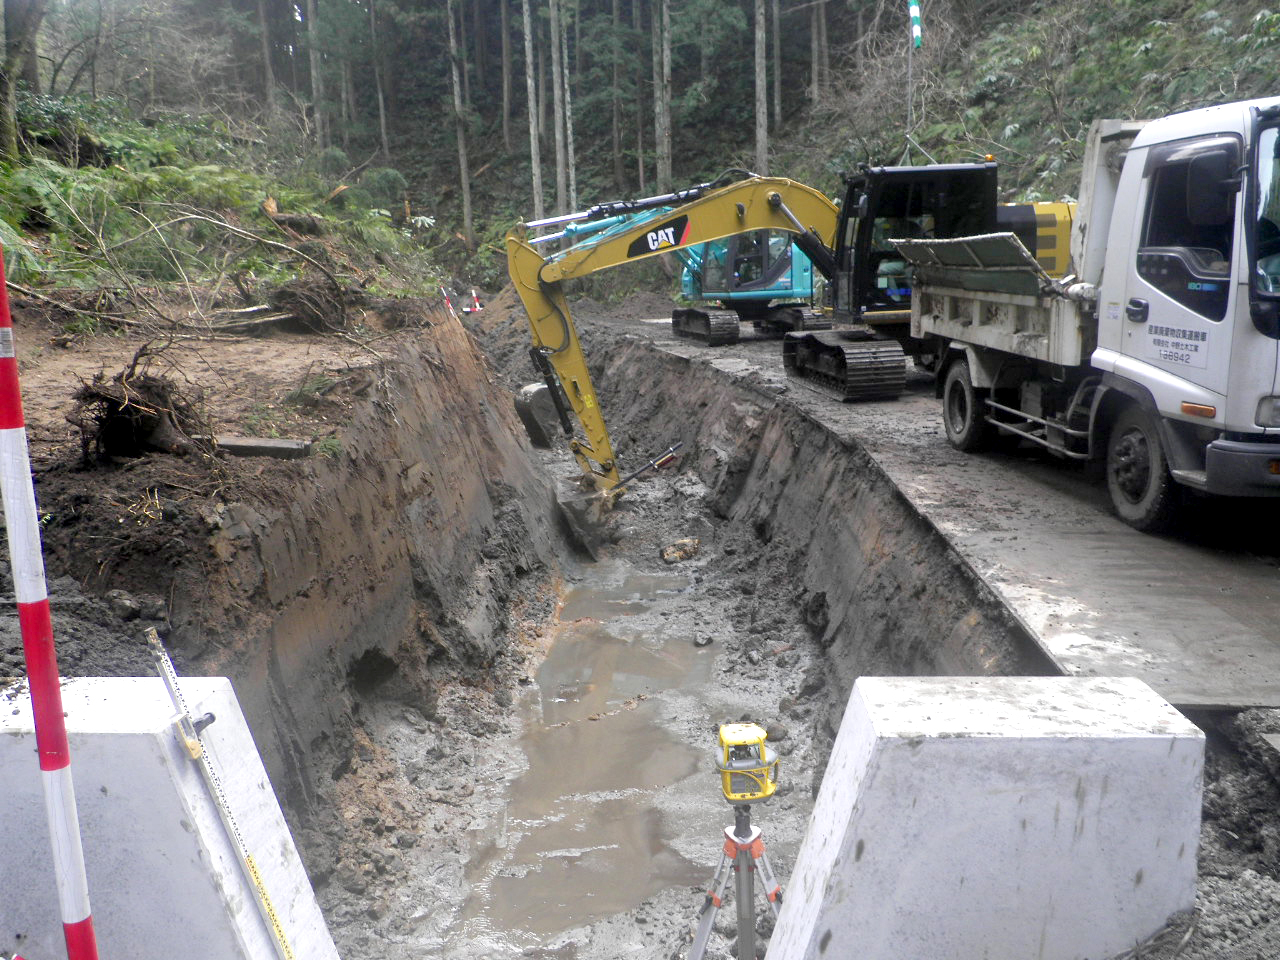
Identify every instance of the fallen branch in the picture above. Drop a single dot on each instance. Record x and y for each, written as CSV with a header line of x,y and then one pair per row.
x,y
250,235
114,317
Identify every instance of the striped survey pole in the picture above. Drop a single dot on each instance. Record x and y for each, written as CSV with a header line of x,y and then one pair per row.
x,y
27,564
917,36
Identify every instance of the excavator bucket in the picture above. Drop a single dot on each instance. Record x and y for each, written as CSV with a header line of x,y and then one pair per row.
x,y
585,515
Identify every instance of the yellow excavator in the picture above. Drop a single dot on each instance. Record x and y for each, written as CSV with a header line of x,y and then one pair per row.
x,y
850,245
630,230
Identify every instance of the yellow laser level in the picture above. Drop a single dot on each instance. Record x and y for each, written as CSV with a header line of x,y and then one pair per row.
x,y
748,768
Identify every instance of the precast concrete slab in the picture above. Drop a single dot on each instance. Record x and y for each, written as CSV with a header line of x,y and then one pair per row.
x,y
164,878
1010,818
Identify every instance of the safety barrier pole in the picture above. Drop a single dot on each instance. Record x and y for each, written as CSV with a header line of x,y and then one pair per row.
x,y
27,563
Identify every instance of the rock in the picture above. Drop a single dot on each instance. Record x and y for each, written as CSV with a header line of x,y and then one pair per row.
x,y
681,550
764,924
152,607
776,731
537,411
123,605
238,531
349,878
702,641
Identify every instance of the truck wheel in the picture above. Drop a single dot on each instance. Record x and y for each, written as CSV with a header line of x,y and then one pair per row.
x,y
1143,493
963,410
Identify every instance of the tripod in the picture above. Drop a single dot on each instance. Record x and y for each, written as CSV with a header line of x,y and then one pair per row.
x,y
743,847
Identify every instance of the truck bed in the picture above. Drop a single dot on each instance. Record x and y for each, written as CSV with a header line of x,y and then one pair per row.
x,y
990,291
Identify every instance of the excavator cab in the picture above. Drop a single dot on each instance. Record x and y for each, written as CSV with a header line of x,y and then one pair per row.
x,y
873,281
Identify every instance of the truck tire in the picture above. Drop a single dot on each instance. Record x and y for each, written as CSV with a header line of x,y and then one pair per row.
x,y
1142,492
963,410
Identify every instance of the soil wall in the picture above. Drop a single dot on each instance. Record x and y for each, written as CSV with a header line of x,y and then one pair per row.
x,y
373,568
882,587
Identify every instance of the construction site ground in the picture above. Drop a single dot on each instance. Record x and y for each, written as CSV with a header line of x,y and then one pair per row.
x,y
1191,613
489,745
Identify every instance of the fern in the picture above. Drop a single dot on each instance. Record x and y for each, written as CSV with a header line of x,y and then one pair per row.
x,y
20,261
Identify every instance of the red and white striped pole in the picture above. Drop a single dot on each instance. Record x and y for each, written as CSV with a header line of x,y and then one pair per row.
x,y
27,563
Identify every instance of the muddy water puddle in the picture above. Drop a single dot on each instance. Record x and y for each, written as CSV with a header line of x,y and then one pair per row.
x,y
583,836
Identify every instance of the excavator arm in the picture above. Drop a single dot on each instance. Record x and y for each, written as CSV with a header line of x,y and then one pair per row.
x,y
754,203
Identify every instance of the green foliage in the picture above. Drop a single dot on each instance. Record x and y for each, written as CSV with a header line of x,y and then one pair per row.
x,y
329,446
309,390
84,131
21,264
385,185
104,199
333,162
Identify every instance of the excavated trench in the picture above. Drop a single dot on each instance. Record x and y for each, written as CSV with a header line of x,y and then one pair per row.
x,y
518,759
488,745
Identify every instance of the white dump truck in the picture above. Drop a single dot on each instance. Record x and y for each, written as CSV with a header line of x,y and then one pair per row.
x,y
1157,353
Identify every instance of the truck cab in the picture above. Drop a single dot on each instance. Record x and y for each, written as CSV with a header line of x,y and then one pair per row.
x,y
1160,353
1189,303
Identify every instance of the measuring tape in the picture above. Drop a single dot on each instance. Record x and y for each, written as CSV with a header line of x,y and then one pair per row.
x,y
189,736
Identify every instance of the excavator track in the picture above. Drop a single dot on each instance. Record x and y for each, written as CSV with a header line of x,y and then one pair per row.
x,y
719,327
854,364
713,329
777,321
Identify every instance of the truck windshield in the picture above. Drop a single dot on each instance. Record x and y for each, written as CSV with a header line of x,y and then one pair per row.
x,y
1267,228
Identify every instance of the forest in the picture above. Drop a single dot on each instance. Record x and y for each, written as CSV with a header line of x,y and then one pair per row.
x,y
429,127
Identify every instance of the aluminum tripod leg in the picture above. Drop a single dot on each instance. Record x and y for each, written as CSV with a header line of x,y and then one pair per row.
x,y
772,890
715,897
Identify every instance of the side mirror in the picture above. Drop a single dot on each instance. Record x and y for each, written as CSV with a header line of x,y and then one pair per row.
x,y
864,204
1212,184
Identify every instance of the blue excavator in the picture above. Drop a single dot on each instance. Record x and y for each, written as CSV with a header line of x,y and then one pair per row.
x,y
759,277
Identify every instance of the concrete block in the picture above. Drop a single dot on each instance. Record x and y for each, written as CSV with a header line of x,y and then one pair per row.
x,y
163,878
1005,818
265,447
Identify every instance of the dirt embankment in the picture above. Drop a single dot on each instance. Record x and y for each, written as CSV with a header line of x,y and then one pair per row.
x,y
385,567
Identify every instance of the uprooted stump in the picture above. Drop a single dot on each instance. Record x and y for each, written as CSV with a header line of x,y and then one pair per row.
x,y
316,306
135,413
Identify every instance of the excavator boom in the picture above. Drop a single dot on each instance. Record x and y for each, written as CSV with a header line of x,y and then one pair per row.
x,y
754,203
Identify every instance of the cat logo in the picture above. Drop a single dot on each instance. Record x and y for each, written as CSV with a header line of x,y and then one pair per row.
x,y
664,236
